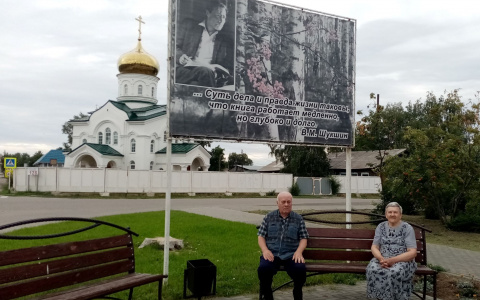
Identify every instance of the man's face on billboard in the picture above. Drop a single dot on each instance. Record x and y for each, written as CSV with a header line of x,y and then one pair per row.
x,y
216,19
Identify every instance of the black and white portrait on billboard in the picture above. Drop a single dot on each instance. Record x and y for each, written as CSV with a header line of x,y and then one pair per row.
x,y
205,43
294,77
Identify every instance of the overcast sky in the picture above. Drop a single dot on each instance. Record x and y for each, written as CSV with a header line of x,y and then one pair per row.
x,y
59,57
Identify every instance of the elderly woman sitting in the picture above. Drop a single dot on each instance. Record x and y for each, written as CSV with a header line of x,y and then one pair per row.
x,y
390,272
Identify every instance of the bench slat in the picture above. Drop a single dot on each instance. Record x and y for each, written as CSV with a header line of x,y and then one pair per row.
x,y
61,265
64,249
342,255
337,268
339,243
105,287
341,233
25,288
351,233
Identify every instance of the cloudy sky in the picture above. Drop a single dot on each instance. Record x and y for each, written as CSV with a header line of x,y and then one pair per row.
x,y
58,57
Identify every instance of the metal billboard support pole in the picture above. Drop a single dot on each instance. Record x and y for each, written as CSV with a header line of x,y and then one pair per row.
x,y
168,195
168,192
348,183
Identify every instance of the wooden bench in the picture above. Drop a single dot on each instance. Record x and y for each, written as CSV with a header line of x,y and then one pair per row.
x,y
341,250
108,262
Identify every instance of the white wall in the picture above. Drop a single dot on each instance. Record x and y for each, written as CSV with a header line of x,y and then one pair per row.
x,y
361,184
144,181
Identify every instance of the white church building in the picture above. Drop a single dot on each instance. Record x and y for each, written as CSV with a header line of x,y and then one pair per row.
x,y
130,133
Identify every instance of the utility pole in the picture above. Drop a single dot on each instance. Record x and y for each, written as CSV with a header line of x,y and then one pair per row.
x,y
378,102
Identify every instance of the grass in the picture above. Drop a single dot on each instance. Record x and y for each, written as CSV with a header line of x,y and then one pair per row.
x,y
231,246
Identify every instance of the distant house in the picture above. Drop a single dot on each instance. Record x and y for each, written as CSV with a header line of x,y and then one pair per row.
x,y
363,162
273,167
244,168
51,159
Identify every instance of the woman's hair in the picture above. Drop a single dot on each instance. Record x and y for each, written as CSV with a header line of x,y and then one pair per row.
x,y
394,204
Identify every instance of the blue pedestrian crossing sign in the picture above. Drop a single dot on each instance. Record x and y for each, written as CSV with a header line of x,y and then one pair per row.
x,y
9,162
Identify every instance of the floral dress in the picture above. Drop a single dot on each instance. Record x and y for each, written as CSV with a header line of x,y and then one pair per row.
x,y
394,283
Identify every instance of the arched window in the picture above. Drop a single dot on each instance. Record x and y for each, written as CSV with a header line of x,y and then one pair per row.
x,y
132,145
132,165
108,136
84,141
140,89
151,165
153,91
125,89
115,138
100,138
152,145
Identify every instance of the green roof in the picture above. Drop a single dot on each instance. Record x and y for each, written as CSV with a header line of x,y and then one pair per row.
x,y
179,148
140,114
102,149
134,114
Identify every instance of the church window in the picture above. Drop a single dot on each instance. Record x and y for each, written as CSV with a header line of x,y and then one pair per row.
x,y
140,89
108,136
133,145
115,138
152,145
84,141
100,138
153,91
125,89
151,165
132,165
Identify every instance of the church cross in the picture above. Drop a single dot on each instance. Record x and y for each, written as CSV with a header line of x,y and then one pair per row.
x,y
139,19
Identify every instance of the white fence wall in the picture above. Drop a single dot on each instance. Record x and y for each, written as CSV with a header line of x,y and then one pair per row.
x,y
361,184
144,181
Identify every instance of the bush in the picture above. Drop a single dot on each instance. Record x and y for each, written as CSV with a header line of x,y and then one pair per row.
x,y
334,184
271,193
465,222
294,189
388,195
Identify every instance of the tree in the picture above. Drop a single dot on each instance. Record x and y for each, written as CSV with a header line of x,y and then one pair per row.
x,y
304,161
440,174
217,161
384,129
241,159
67,129
22,158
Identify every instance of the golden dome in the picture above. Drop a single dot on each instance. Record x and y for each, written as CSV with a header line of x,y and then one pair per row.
x,y
138,61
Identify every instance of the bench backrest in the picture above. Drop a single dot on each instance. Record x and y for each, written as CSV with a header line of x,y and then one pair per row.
x,y
29,271
331,244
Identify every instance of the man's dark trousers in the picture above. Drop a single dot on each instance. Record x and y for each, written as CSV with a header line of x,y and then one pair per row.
x,y
267,269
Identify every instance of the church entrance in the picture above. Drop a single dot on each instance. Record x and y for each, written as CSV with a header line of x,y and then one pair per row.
x,y
86,161
197,164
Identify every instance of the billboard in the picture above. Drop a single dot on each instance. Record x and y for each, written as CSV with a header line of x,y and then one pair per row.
x,y
261,71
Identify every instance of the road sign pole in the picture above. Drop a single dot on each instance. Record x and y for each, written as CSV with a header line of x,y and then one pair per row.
x,y
9,179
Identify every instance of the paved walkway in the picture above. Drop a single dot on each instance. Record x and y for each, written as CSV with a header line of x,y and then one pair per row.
x,y
324,291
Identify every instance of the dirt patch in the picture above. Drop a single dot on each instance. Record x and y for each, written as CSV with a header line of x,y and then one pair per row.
x,y
448,287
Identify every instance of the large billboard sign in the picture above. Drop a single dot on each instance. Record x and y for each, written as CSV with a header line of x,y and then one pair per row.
x,y
261,71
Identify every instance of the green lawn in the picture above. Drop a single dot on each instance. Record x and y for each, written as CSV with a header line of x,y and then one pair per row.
x,y
231,246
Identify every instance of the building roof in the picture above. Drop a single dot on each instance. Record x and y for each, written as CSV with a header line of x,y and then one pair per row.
x,y
274,166
360,159
134,114
248,168
52,154
179,148
100,148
